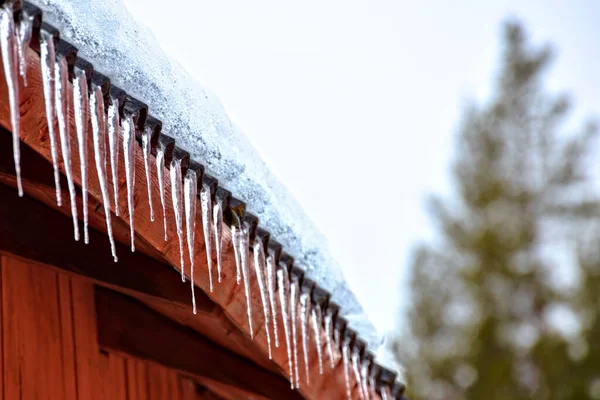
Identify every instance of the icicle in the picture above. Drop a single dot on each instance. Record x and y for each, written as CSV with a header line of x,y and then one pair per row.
x,y
8,46
346,358
218,231
24,37
146,137
206,202
241,245
98,134
176,189
129,147
293,308
316,323
190,188
259,268
238,261
80,104
373,387
364,377
355,369
47,57
329,336
61,80
283,290
271,280
386,394
160,166
304,313
114,127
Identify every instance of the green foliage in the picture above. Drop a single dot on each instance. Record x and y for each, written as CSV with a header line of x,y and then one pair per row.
x,y
490,315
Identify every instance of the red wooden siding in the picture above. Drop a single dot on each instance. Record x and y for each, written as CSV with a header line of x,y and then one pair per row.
x,y
50,349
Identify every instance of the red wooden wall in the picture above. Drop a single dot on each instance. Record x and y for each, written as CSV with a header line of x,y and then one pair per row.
x,y
49,345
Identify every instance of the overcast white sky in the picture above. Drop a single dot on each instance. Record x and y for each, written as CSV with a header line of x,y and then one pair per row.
x,y
366,96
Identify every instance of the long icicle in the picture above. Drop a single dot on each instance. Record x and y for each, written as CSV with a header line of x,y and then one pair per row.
x,y
283,282
329,337
61,97
190,189
304,317
293,310
24,32
271,282
80,105
146,137
114,129
346,359
206,203
176,192
160,166
47,56
129,147
8,46
244,244
356,370
238,261
386,393
218,234
364,377
373,386
259,269
99,137
317,320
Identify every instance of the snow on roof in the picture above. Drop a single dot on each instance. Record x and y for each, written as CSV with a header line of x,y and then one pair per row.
x,y
107,35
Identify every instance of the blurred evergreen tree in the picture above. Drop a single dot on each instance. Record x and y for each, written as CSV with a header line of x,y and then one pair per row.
x,y
491,313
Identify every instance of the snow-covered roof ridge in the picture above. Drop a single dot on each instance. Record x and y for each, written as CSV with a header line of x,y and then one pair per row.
x,y
108,36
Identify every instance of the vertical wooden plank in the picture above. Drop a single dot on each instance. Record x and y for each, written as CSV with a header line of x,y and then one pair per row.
x,y
115,377
67,338
31,332
1,335
158,383
132,388
143,383
86,347
188,389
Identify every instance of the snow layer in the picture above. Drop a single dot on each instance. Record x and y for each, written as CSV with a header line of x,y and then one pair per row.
x,y
108,36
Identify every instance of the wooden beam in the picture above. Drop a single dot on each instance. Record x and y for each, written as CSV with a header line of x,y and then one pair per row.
x,y
126,326
31,230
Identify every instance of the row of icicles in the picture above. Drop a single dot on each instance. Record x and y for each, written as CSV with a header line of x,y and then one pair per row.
x,y
89,108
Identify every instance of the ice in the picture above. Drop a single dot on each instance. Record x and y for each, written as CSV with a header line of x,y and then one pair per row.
x,y
373,387
283,282
108,36
364,377
271,281
385,393
24,31
329,336
294,322
259,269
146,135
8,45
129,146
218,234
206,204
346,361
317,322
176,192
304,316
356,370
47,56
114,128
80,105
190,188
160,167
98,119
240,247
62,101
